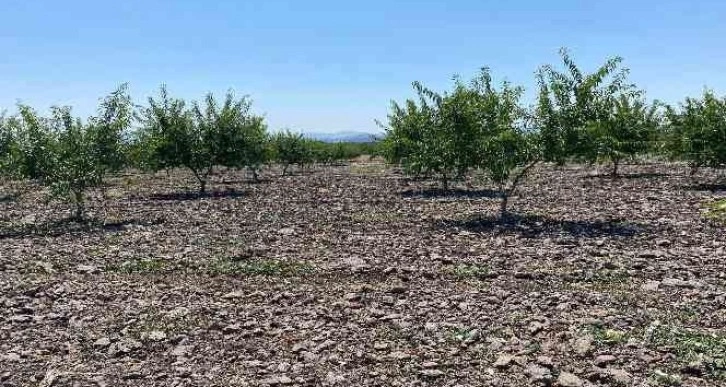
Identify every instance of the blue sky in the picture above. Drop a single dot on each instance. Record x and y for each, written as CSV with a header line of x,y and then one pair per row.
x,y
326,66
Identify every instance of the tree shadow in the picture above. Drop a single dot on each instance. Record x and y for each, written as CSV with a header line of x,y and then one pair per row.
x,y
627,176
71,226
8,198
713,187
188,196
451,193
262,180
534,226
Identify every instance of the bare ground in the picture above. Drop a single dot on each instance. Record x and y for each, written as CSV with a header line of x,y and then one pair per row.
x,y
357,276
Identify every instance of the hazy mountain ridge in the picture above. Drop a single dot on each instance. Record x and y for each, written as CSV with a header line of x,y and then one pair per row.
x,y
344,136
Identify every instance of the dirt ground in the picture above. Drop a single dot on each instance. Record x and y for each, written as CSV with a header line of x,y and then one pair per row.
x,y
358,276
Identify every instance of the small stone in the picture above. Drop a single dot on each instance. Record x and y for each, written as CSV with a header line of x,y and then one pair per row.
x,y
538,373
503,361
156,336
233,295
181,350
473,336
11,357
103,342
545,361
380,346
620,377
650,254
87,269
325,345
286,231
309,357
430,364
679,283
398,355
583,346
277,381
566,379
432,373
333,378
650,286
21,318
123,347
284,367
662,243
231,328
398,290
604,360
535,328
352,297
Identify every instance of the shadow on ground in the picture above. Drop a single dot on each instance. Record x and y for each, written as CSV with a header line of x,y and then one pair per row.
x,y
70,226
8,198
706,187
262,180
452,193
533,226
187,196
627,176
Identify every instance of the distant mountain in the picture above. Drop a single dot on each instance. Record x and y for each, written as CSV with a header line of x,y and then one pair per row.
x,y
344,136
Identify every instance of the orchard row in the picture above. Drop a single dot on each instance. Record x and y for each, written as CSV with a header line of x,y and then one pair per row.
x,y
596,117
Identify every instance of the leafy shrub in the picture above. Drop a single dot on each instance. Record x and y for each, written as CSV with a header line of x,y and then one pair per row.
x,y
291,148
475,126
201,136
629,128
570,103
697,131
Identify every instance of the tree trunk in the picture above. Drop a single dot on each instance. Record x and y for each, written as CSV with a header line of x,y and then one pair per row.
x,y
694,169
284,169
445,182
614,171
79,211
255,177
202,186
503,210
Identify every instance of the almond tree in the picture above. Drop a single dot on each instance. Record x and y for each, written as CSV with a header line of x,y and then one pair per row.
x,y
571,101
628,129
696,131
172,138
201,136
81,154
506,149
432,135
290,148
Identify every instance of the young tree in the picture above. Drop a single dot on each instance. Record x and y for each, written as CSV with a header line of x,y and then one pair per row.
x,y
433,136
506,149
33,142
256,146
82,154
75,167
7,147
697,131
200,137
173,138
290,148
570,102
629,128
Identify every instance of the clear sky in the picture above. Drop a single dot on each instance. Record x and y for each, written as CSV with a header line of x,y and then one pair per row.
x,y
327,66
